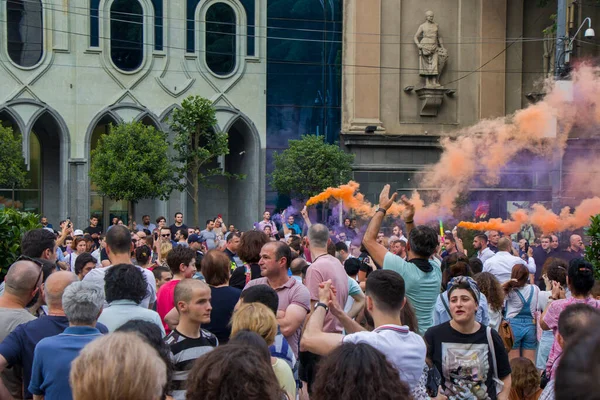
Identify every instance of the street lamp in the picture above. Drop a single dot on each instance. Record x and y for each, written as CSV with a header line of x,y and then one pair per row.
x,y
589,32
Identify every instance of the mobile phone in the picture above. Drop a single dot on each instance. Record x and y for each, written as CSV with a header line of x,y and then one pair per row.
x,y
155,235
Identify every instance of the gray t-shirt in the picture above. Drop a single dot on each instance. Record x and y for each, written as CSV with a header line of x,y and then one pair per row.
x,y
210,237
10,318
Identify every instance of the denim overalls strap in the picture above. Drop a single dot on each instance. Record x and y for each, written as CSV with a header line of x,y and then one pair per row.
x,y
526,309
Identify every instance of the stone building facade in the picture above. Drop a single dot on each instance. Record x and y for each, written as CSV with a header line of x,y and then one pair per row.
x,y
496,58
71,68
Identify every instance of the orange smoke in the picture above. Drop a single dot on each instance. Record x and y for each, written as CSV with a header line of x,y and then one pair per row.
x,y
541,217
483,150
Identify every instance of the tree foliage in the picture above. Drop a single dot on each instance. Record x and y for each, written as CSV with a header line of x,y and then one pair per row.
x,y
131,163
592,252
309,166
197,146
12,163
13,225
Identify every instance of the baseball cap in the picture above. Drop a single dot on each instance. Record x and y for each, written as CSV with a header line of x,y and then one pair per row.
x,y
195,238
78,232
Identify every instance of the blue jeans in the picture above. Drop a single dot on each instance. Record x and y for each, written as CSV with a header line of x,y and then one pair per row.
x,y
544,349
525,333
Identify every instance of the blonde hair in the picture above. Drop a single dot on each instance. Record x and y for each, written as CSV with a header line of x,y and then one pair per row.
x,y
118,366
255,317
165,248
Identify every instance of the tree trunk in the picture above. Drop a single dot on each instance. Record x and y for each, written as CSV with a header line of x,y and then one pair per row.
x,y
195,197
130,214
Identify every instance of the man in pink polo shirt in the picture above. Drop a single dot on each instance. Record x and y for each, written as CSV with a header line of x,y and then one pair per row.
x,y
294,299
324,267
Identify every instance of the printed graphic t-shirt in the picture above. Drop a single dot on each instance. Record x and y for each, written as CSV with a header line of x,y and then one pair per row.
x,y
465,362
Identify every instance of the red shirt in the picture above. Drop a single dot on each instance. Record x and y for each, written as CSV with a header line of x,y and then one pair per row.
x,y
165,301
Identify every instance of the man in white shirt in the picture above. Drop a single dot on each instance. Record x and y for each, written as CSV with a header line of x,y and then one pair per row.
x,y
118,248
385,298
502,263
480,243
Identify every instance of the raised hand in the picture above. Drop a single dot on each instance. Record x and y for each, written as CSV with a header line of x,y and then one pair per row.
x,y
409,209
385,201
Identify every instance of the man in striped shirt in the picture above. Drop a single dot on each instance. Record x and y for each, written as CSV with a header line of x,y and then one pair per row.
x,y
189,341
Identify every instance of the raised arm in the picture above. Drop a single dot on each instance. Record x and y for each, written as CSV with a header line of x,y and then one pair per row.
x,y
304,213
376,250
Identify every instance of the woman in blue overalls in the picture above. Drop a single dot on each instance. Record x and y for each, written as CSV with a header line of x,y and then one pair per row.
x,y
520,305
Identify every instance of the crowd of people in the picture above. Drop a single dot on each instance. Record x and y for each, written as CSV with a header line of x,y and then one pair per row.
x,y
296,310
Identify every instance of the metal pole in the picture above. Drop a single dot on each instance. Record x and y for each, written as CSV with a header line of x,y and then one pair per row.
x,y
341,212
559,68
561,38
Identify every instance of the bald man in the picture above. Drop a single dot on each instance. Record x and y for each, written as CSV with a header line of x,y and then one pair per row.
x,y
188,341
17,349
22,284
502,263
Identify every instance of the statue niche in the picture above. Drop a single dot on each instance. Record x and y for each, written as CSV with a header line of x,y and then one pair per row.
x,y
432,60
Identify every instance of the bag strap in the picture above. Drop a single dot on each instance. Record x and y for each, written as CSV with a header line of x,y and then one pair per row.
x,y
445,305
488,332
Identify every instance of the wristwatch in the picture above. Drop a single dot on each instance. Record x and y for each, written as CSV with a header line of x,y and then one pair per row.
x,y
319,304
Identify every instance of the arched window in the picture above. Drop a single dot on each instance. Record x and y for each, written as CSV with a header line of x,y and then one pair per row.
x,y
220,38
127,34
24,31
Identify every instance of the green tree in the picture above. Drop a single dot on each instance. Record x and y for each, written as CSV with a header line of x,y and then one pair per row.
x,y
309,166
13,225
592,252
197,146
12,164
131,164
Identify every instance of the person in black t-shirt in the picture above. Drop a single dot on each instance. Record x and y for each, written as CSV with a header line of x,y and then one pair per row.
x,y
178,224
461,349
94,230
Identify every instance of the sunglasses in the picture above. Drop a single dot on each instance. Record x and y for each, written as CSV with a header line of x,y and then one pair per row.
x,y
36,262
166,235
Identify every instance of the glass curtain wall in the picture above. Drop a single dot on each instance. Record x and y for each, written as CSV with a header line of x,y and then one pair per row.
x,y
304,50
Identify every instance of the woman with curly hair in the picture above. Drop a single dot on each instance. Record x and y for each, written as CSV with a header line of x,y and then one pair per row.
x,y
231,372
491,288
525,378
358,371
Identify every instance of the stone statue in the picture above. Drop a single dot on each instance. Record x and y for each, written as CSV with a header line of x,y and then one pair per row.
x,y
432,54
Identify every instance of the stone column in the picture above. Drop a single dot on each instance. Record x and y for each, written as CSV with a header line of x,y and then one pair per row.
x,y
362,59
492,87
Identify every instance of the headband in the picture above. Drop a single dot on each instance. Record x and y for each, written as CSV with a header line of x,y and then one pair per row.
x,y
472,285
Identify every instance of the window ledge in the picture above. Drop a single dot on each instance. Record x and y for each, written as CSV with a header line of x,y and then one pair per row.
x,y
93,50
253,59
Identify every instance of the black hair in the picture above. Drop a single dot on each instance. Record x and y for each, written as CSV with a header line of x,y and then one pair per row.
x,y
578,372
124,282
386,287
341,246
179,255
352,266
263,294
465,286
36,241
423,241
151,334
253,340
358,371
283,250
183,233
476,265
143,254
575,318
208,221
482,236
581,276
82,260
177,213
158,270
233,235
118,239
